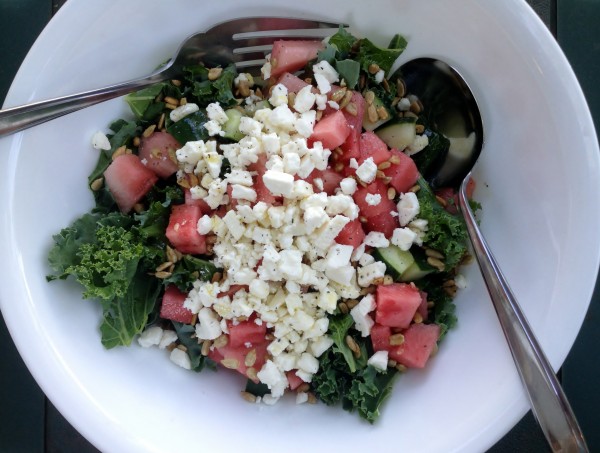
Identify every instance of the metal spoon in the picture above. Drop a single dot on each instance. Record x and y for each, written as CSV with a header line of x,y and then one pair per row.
x,y
457,115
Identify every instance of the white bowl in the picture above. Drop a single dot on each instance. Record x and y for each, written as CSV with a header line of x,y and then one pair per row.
x,y
538,184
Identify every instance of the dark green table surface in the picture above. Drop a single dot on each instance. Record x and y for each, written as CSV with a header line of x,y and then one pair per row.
x,y
29,422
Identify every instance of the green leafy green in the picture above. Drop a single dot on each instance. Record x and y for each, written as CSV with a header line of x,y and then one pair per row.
x,y
328,54
259,389
398,42
187,336
370,53
220,90
368,391
434,153
190,128
349,70
139,101
195,73
125,317
343,378
106,254
188,270
64,253
223,86
364,390
333,379
343,41
443,305
154,220
446,232
101,253
338,330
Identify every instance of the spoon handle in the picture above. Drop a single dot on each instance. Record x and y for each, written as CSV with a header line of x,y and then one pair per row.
x,y
16,119
548,402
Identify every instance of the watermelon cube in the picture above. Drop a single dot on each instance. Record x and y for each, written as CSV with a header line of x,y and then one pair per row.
x,y
420,341
397,304
172,306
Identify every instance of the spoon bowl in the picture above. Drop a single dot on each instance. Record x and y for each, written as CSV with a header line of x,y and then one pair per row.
x,y
455,114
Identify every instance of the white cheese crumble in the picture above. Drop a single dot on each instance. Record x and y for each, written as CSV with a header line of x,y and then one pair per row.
x,y
403,238
408,208
461,281
373,199
100,141
367,171
348,186
181,358
360,313
379,360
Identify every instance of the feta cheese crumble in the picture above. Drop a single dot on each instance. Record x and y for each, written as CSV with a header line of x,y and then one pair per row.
x,y
100,141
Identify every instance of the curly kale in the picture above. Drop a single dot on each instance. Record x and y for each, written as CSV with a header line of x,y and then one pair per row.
x,y
107,256
102,254
365,390
446,232
347,379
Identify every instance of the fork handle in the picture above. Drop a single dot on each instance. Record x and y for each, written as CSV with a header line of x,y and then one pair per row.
x,y
548,401
16,119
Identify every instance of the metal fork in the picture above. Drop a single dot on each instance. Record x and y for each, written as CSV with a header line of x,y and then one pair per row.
x,y
244,42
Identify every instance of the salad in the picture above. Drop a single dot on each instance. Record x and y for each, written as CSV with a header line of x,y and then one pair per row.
x,y
276,225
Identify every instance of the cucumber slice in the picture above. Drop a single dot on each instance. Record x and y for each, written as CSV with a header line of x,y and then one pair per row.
x,y
369,125
419,268
398,134
232,126
396,261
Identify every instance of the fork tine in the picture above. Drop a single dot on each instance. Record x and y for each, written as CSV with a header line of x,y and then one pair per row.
x,y
245,64
264,49
248,24
312,33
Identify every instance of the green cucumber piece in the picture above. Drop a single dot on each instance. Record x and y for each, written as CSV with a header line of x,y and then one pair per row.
x,y
419,268
396,261
231,128
369,125
398,134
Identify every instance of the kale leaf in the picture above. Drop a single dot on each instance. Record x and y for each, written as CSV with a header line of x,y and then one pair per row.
x,y
107,256
429,159
343,41
338,330
190,128
333,379
349,70
125,317
102,253
64,253
443,305
446,232
154,220
368,391
188,270
255,389
370,53
220,90
141,100
364,390
187,336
